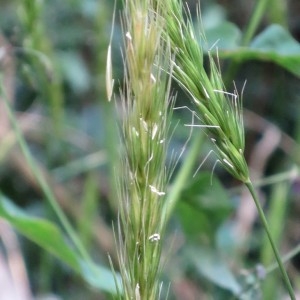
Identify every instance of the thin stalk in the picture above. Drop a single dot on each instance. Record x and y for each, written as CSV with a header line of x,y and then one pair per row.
x,y
287,257
267,229
256,17
42,182
276,215
180,181
278,13
274,266
289,175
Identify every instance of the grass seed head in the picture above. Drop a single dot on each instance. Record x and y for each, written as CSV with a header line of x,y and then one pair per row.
x,y
220,111
145,101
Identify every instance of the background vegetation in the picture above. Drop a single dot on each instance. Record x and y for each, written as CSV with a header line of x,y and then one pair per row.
x,y
53,57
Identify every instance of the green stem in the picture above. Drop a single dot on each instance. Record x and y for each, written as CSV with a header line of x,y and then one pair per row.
x,y
267,229
289,175
42,182
285,259
278,13
255,20
247,37
181,178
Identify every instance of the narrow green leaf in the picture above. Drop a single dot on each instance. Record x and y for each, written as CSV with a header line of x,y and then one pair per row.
x,y
48,236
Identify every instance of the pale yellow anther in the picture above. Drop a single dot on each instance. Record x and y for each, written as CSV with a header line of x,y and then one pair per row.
x,y
108,74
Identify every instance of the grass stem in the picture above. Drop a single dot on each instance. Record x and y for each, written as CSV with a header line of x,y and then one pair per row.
x,y
180,181
43,184
267,229
247,37
256,17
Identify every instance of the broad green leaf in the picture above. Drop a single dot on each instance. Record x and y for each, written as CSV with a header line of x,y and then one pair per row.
x,y
275,44
205,202
48,236
224,36
210,264
276,39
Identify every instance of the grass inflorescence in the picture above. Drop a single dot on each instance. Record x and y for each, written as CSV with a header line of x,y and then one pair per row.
x,y
219,111
145,98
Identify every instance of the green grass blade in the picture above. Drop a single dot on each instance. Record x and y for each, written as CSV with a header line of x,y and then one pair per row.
x,y
42,182
48,236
